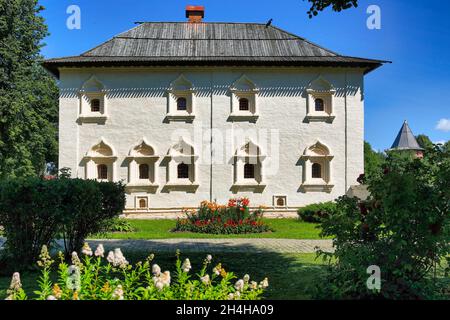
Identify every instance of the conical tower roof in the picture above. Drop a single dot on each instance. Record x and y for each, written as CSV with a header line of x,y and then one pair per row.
x,y
405,139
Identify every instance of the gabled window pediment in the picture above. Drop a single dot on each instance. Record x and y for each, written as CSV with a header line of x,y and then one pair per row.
x,y
92,101
244,102
320,100
181,95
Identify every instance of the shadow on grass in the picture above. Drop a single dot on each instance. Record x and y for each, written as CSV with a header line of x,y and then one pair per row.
x,y
291,275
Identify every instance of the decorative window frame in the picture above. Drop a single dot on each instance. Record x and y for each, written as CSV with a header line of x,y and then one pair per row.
x,y
244,88
181,88
251,153
275,199
100,153
136,157
317,153
92,89
182,152
137,206
320,89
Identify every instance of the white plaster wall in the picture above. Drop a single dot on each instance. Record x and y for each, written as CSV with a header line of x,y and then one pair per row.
x,y
137,106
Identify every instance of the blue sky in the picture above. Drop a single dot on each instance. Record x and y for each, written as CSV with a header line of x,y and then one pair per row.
x,y
415,35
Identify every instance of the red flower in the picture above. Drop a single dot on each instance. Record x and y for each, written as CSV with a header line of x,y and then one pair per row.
x,y
232,203
245,202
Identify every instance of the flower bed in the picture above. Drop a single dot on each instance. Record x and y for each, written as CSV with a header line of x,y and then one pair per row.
x,y
233,218
92,277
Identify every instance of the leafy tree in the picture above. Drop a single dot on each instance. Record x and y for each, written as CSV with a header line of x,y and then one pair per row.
x,y
373,160
28,94
424,141
337,5
403,228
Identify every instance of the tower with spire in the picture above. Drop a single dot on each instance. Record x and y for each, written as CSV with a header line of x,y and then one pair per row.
x,y
406,141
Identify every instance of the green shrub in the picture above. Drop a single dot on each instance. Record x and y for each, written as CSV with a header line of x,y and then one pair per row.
x,y
93,278
30,213
89,205
315,212
234,218
403,228
33,212
117,225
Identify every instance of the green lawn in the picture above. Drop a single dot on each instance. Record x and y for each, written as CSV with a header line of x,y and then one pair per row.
x,y
291,276
161,229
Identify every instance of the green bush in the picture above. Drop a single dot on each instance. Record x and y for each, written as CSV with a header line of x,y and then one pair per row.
x,y
403,228
117,225
93,278
234,218
316,211
33,212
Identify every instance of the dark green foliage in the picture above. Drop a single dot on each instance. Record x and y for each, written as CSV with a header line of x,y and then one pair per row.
x,y
30,213
336,5
317,211
373,161
34,211
28,95
117,225
404,228
424,141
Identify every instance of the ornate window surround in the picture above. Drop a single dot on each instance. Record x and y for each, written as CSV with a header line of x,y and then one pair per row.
x,y
244,88
251,153
317,153
142,153
320,89
100,153
182,152
181,88
90,90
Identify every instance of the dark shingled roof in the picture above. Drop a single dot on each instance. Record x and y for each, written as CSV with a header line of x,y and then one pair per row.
x,y
184,43
405,139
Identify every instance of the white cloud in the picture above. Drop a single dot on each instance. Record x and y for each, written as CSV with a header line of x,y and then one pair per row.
x,y
443,125
439,142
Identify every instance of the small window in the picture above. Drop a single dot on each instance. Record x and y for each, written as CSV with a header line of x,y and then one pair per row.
x,y
183,171
102,172
320,106
280,202
243,104
316,170
95,105
249,171
181,104
143,171
142,203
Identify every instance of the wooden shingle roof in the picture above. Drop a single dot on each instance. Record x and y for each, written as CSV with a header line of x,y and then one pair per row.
x,y
184,43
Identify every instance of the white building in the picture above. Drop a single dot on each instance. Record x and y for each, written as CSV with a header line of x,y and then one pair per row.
x,y
191,111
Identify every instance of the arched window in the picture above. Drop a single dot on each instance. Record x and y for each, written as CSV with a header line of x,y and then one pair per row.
x,y
183,171
280,202
320,106
143,171
181,104
249,171
95,105
142,203
243,104
102,172
316,170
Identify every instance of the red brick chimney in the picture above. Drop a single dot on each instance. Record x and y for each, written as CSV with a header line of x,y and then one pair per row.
x,y
195,14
